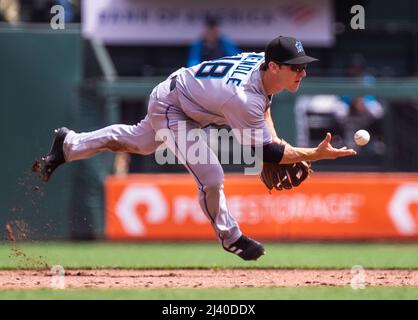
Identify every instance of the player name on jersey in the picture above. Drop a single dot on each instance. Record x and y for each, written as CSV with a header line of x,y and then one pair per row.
x,y
246,65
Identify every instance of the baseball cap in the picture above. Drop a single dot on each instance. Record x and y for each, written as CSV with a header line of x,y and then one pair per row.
x,y
287,50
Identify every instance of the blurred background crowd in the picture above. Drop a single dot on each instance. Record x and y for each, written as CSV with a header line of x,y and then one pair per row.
x,y
387,47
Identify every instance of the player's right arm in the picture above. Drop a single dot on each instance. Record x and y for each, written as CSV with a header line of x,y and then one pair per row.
x,y
270,125
292,154
323,151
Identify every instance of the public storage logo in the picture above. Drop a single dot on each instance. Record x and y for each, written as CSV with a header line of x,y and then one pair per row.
x,y
157,209
249,209
403,209
126,208
150,206
329,208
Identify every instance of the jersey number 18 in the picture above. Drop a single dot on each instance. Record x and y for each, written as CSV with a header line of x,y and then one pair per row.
x,y
213,69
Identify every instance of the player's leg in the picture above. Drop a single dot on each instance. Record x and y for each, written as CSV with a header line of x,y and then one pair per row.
x,y
171,124
70,146
208,176
138,138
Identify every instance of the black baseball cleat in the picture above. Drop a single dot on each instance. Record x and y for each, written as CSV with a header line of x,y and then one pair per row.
x,y
246,248
55,157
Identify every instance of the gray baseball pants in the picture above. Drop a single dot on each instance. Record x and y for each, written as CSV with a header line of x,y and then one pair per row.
x,y
164,114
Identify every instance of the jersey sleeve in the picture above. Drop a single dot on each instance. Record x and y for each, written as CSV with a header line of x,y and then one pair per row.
x,y
245,115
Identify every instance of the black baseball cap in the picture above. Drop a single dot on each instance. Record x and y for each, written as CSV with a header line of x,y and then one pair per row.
x,y
287,50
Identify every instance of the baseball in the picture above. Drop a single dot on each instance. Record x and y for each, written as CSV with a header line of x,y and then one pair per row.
x,y
361,137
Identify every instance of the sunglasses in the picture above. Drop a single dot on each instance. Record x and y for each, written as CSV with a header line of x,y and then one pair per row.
x,y
297,67
294,67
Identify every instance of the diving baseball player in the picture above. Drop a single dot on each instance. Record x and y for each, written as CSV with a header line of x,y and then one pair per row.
x,y
235,91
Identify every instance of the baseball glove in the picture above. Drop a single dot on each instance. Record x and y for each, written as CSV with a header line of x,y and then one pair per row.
x,y
285,176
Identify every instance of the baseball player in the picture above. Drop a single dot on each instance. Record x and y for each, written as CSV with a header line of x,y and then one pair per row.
x,y
235,91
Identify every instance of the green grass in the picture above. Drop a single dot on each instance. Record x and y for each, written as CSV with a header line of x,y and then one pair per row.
x,y
336,293
209,255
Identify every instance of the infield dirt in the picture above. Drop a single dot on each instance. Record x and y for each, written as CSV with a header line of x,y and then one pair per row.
x,y
203,278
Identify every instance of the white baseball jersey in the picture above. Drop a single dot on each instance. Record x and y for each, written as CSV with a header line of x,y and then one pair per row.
x,y
227,91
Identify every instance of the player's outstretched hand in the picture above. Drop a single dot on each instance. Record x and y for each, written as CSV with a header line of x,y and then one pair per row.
x,y
326,151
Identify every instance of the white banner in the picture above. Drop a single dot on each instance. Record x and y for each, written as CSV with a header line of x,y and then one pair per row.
x,y
182,21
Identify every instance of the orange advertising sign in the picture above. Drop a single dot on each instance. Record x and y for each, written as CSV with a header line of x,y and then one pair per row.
x,y
327,206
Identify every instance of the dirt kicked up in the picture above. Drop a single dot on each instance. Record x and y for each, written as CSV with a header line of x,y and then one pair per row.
x,y
202,278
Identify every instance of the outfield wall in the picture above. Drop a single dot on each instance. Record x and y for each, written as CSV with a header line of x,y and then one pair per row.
x,y
337,206
40,71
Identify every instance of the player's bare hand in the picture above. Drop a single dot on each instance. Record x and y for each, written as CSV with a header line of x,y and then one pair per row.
x,y
326,151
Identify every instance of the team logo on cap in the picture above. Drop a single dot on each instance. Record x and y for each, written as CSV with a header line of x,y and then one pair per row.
x,y
299,46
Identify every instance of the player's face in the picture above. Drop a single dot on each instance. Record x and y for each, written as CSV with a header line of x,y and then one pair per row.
x,y
293,75
283,76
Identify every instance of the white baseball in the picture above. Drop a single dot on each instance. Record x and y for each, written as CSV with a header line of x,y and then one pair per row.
x,y
361,137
